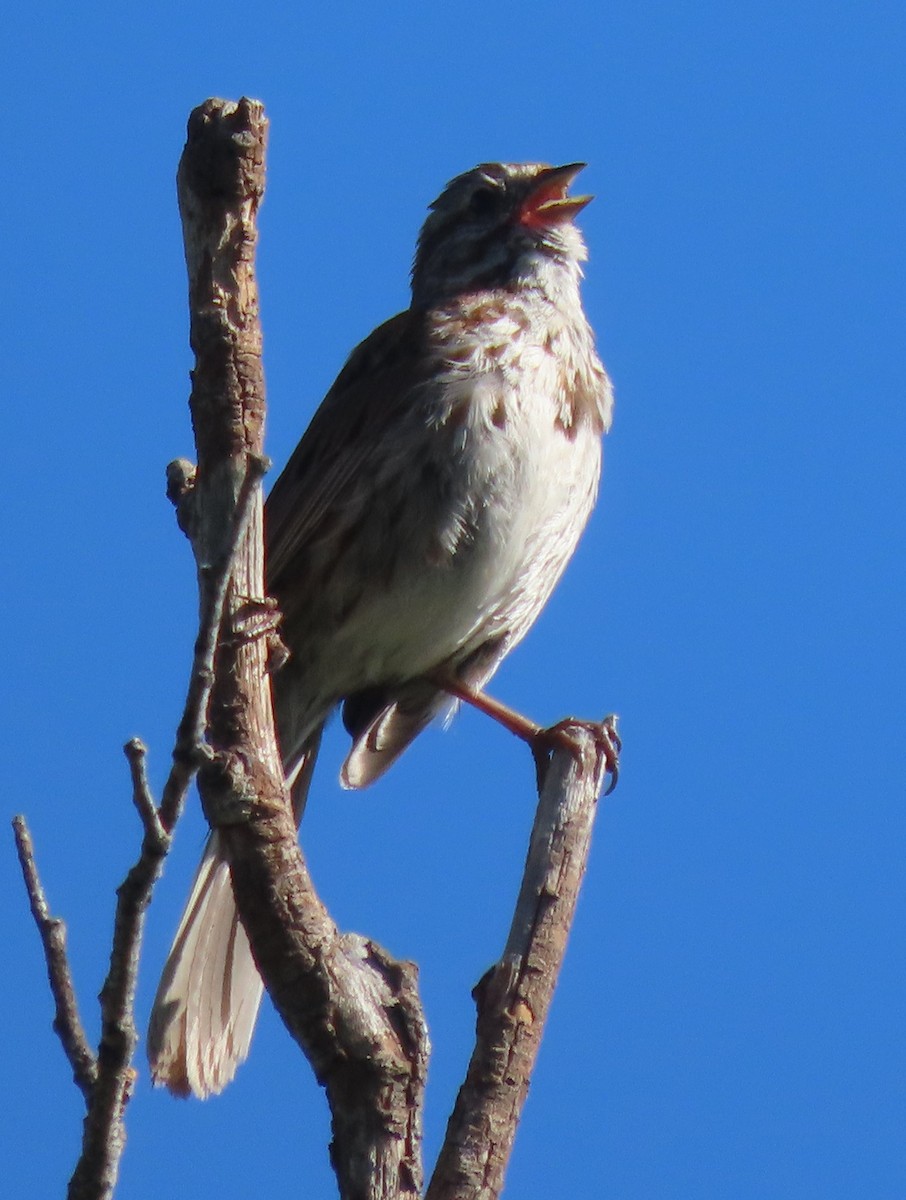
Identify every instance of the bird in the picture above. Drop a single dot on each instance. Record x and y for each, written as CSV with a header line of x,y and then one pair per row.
x,y
413,537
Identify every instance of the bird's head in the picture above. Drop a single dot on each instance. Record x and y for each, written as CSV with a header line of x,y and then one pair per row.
x,y
500,225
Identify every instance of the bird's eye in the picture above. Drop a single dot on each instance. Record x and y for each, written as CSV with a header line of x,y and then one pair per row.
x,y
484,201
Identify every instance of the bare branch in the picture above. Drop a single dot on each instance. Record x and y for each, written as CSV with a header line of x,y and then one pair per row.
x,y
137,753
67,1023
103,1137
103,1134
514,997
107,1081
352,1008
190,750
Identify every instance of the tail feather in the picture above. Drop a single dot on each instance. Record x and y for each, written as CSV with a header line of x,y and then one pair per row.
x,y
205,1009
207,1003
380,735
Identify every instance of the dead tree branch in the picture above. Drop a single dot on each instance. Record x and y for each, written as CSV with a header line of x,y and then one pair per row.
x,y
514,997
354,1011
106,1080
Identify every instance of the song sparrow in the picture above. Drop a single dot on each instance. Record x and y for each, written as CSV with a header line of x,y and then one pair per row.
x,y
414,536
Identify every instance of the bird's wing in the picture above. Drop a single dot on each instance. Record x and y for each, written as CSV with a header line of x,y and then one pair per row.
x,y
374,385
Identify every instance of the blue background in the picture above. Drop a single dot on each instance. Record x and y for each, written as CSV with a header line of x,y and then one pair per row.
x,y
730,1018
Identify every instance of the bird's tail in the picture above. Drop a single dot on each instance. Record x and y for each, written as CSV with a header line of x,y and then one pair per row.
x,y
207,1002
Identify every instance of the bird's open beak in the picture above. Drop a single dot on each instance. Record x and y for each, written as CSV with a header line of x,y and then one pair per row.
x,y
548,203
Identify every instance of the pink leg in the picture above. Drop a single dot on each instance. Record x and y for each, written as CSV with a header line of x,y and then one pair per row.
x,y
542,741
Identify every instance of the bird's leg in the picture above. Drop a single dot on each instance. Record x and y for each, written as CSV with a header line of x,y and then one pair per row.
x,y
541,741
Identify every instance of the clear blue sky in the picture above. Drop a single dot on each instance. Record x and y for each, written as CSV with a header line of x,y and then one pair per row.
x,y
730,1019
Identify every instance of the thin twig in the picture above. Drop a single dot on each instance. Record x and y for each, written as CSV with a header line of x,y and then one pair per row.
x,y
188,751
106,1081
104,1135
137,753
67,1023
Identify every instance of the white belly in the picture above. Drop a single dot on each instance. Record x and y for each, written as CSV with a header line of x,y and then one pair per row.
x,y
516,497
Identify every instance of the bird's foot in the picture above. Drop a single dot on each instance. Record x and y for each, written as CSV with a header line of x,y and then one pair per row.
x,y
259,618
608,745
540,740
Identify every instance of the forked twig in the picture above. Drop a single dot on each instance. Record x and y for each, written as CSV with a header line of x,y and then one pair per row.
x,y
106,1080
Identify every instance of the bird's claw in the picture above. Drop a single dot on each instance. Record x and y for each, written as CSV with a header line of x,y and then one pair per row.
x,y
608,745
